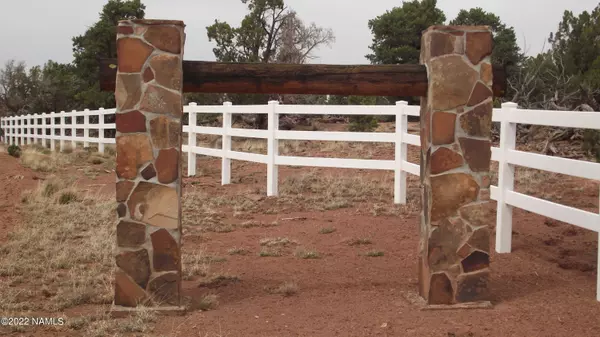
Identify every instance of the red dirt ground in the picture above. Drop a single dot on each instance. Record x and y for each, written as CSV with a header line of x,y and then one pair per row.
x,y
545,287
13,179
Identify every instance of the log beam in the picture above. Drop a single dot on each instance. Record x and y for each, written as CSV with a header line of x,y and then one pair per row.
x,y
262,78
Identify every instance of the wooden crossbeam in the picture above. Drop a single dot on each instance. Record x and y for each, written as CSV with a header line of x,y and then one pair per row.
x,y
262,78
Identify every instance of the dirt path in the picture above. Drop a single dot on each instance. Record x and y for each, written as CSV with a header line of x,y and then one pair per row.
x,y
14,179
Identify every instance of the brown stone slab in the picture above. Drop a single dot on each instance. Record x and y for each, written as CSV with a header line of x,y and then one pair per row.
x,y
127,292
135,53
154,204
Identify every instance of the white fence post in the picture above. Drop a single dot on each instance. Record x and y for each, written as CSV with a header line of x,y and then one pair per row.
x,y
73,129
506,180
272,150
226,145
101,130
28,139
62,131
192,123
13,129
86,127
21,131
44,134
16,130
3,132
52,131
24,138
400,153
34,130
598,266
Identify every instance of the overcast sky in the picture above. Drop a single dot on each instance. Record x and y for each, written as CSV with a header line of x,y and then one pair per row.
x,y
39,30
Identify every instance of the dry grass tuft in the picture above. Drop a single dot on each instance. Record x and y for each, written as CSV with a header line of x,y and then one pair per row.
x,y
217,281
285,289
327,230
270,252
272,242
207,302
238,251
359,241
307,254
194,264
374,253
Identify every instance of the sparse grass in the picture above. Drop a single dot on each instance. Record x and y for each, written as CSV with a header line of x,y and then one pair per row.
x,y
212,225
102,324
63,250
250,224
219,280
307,254
238,251
206,211
317,191
208,302
359,241
139,322
253,224
272,242
39,158
285,289
249,145
374,253
270,252
327,230
194,264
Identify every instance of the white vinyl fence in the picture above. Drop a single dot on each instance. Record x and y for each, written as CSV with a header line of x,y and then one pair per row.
x,y
52,127
273,135
28,129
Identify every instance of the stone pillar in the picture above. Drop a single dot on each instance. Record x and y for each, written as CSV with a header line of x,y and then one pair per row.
x,y
148,120
456,119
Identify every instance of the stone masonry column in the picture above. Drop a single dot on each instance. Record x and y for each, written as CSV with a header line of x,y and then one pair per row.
x,y
456,119
148,189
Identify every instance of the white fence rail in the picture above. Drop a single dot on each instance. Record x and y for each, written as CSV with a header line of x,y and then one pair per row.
x,y
31,128
273,135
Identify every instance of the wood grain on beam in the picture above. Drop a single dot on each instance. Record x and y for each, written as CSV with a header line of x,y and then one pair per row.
x,y
261,78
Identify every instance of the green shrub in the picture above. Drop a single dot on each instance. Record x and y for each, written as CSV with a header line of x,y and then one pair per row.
x,y
363,123
14,151
96,160
591,142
